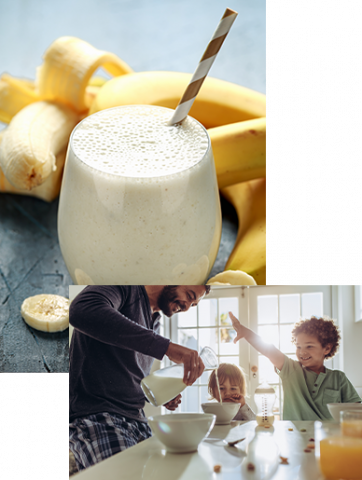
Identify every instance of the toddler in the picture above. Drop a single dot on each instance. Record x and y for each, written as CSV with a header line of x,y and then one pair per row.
x,y
232,389
308,385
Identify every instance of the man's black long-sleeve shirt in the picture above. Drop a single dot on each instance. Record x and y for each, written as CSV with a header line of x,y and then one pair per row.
x,y
114,343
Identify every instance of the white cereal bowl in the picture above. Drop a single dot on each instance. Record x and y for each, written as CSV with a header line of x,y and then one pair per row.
x,y
336,408
224,412
181,432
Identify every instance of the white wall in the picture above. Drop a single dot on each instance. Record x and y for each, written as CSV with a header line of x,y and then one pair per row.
x,y
351,332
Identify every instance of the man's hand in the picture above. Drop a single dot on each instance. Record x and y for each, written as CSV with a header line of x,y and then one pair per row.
x,y
240,329
193,364
174,403
235,398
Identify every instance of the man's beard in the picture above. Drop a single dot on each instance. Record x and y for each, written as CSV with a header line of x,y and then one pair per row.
x,y
166,298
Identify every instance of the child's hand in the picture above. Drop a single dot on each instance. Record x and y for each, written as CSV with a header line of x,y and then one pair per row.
x,y
174,403
240,329
235,398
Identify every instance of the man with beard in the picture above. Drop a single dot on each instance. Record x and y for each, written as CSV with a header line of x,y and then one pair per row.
x,y
115,341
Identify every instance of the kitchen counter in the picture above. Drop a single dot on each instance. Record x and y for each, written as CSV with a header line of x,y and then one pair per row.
x,y
149,460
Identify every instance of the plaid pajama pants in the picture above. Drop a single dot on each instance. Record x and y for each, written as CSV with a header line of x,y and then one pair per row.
x,y
94,438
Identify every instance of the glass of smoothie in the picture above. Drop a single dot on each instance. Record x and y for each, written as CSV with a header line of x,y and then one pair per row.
x,y
139,202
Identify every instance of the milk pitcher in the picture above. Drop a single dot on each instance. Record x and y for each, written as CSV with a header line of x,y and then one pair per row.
x,y
163,385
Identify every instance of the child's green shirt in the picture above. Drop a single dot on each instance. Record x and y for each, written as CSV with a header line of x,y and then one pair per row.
x,y
306,393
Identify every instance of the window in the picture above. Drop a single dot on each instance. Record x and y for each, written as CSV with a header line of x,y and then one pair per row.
x,y
208,324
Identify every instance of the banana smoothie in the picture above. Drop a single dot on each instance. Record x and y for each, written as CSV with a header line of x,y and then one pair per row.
x,y
139,202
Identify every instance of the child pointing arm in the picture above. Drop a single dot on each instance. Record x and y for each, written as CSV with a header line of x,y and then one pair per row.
x,y
308,385
270,351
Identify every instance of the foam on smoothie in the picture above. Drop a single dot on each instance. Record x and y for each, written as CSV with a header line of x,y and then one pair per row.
x,y
138,142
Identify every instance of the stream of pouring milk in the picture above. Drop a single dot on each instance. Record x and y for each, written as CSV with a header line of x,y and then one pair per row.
x,y
217,383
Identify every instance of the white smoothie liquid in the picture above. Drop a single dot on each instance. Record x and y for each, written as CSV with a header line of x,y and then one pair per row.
x,y
139,202
160,388
265,420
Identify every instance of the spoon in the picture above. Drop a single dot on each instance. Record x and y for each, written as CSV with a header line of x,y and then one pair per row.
x,y
232,444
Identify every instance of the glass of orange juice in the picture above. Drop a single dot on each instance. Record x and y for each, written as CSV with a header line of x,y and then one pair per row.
x,y
351,423
339,456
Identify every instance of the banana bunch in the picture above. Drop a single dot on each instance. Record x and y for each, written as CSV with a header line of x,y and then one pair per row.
x,y
239,151
249,253
217,103
42,115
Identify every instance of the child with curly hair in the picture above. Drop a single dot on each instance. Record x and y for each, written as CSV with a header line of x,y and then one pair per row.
x,y
308,385
232,389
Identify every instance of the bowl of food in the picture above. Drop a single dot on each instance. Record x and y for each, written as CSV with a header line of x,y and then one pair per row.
x,y
336,408
224,412
181,432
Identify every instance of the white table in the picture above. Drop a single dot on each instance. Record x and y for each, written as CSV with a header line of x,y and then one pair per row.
x,y
149,460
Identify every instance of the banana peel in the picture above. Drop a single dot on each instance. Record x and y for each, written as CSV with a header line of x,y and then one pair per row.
x,y
68,66
15,94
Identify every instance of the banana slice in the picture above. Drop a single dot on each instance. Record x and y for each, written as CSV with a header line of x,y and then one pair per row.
x,y
46,312
232,277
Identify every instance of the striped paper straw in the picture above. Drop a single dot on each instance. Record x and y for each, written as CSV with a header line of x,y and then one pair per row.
x,y
203,67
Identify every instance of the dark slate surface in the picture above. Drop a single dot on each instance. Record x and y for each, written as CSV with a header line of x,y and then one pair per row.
x,y
157,35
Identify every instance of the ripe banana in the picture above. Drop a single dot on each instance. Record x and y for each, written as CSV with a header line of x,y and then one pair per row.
x,y
15,94
30,144
239,151
217,103
249,253
231,277
68,66
46,312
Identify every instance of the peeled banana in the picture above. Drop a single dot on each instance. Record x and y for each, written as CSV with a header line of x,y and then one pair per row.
x,y
48,190
239,151
68,65
249,253
46,312
217,103
30,144
231,277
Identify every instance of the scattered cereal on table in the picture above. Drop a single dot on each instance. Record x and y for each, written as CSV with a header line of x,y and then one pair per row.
x,y
251,466
303,430
284,460
311,440
290,429
266,426
307,450
311,445
217,468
